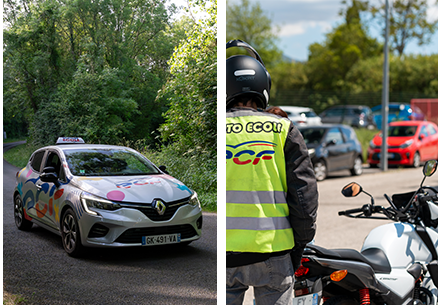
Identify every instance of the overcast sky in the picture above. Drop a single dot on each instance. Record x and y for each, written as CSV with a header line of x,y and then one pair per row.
x,y
303,22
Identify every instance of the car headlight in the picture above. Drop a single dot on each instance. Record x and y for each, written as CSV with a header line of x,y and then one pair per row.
x,y
372,144
406,144
194,201
91,201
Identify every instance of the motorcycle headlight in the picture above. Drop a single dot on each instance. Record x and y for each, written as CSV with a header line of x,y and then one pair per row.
x,y
194,201
91,201
406,144
311,151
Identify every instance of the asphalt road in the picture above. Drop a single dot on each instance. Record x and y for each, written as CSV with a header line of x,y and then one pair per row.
x,y
36,267
337,232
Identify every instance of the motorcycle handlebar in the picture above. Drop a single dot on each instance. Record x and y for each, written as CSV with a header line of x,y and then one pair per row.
x,y
347,212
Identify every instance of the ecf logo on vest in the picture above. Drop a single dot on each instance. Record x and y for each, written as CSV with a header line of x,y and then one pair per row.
x,y
250,149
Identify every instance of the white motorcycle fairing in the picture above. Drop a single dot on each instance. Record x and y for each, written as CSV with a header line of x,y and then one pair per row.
x,y
392,238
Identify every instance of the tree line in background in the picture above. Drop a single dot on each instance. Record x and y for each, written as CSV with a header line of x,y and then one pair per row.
x,y
347,68
94,69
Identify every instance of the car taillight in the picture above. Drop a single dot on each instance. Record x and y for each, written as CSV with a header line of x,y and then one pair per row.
x,y
16,175
302,270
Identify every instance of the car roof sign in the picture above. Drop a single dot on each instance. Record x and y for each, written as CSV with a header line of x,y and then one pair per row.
x,y
70,140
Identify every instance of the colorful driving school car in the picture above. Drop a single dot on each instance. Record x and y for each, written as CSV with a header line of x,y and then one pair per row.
x,y
104,196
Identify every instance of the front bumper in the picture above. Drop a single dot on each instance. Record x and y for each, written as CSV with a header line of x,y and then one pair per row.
x,y
126,227
395,156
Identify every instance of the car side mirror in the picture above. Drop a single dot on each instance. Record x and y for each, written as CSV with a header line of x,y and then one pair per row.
x,y
331,142
163,169
50,177
421,137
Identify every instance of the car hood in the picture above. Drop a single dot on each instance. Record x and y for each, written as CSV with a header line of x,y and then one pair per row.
x,y
134,189
392,141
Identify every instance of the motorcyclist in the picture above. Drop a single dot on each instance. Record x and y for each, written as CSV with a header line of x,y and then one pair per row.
x,y
271,195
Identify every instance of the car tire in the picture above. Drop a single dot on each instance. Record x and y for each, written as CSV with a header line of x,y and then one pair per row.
x,y
70,234
20,221
357,169
372,165
320,170
416,160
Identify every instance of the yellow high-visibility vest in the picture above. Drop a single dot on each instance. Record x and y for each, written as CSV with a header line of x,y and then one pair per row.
x,y
256,208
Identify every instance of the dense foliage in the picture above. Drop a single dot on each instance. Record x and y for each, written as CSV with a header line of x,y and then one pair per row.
x,y
191,91
87,68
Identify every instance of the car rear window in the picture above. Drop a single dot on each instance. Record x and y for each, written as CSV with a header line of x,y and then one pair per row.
x,y
309,114
108,162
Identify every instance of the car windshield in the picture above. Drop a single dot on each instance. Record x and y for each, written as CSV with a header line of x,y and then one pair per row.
x,y
402,131
107,162
313,135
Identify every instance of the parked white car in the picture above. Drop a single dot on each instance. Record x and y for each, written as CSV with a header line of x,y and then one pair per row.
x,y
302,116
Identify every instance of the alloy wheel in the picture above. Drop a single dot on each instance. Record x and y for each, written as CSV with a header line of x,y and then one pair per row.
x,y
18,211
358,167
69,232
20,221
320,170
416,160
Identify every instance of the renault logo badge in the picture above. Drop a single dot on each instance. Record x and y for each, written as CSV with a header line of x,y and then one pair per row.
x,y
159,206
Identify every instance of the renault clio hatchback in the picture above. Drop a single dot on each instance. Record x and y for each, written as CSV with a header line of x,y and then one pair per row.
x,y
104,196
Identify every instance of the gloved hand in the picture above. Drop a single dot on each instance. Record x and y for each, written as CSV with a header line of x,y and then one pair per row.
x,y
296,256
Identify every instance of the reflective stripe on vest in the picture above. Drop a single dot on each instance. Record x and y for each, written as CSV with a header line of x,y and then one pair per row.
x,y
257,212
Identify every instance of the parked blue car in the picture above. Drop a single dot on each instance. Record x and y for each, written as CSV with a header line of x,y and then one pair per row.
x,y
398,112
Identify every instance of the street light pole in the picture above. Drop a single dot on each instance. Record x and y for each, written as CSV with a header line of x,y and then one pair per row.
x,y
385,95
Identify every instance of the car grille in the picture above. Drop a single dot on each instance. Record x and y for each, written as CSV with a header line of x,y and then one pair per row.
x,y
152,214
396,157
135,235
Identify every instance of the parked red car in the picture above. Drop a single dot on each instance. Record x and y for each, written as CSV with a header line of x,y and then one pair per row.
x,y
409,143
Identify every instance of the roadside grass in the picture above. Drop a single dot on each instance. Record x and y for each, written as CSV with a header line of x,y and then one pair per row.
x,y
13,140
19,155
13,299
197,174
365,136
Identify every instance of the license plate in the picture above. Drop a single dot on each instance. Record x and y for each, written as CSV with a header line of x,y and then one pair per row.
x,y
161,239
389,156
309,299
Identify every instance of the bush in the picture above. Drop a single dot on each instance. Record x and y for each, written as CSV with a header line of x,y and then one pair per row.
x,y
365,136
198,173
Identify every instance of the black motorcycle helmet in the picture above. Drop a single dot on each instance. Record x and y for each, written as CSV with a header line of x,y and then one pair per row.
x,y
247,76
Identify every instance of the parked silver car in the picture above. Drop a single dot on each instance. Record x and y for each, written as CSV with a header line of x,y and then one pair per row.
x,y
104,196
302,116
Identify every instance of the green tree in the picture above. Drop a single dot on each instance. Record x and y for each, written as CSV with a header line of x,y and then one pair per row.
x,y
408,21
51,45
191,91
329,63
248,22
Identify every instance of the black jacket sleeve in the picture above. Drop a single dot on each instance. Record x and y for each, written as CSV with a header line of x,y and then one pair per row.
x,y
302,196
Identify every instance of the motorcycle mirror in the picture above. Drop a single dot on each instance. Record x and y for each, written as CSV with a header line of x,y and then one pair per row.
x,y
352,189
430,168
